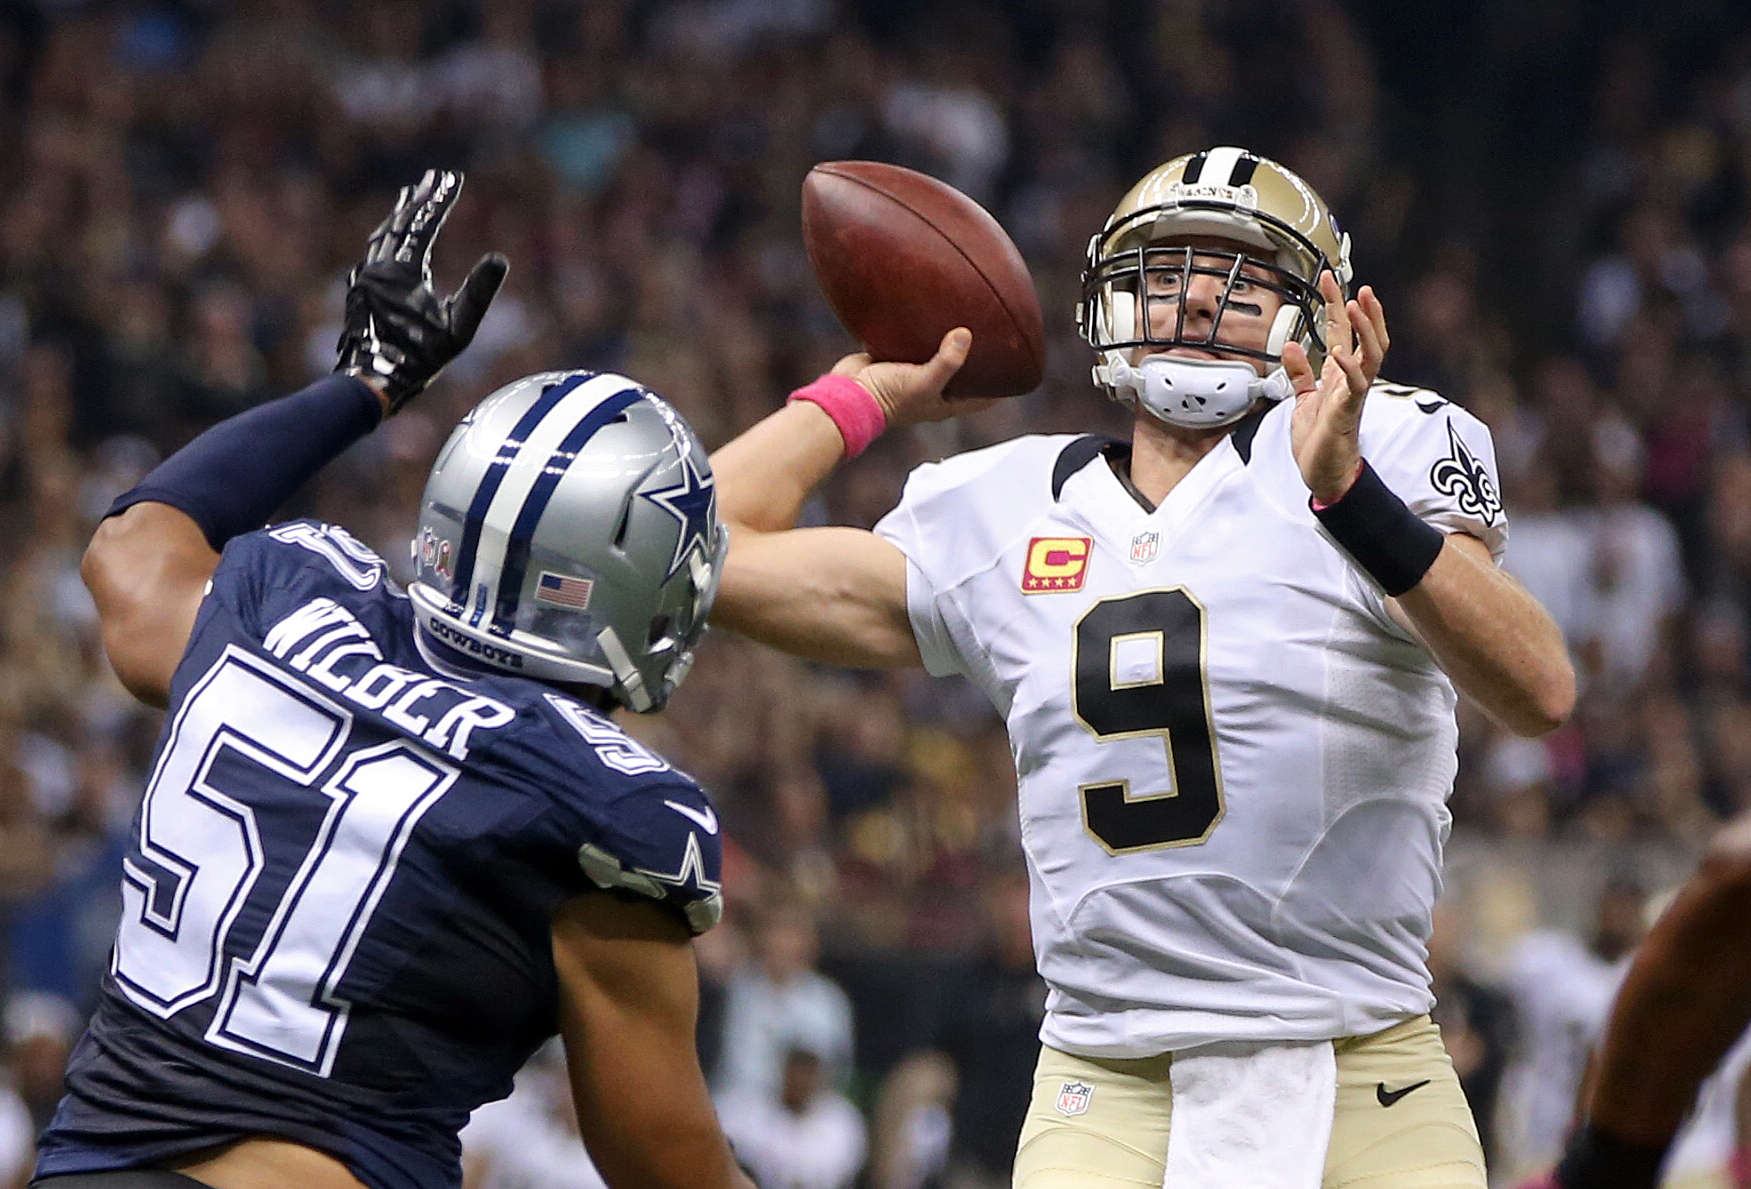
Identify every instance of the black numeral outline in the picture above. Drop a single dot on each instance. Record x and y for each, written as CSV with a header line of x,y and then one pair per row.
x,y
1191,808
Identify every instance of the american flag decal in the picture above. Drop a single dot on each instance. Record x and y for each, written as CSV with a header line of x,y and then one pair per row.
x,y
563,591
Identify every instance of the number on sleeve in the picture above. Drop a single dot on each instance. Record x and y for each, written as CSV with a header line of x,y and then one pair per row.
x,y
352,559
613,746
1139,671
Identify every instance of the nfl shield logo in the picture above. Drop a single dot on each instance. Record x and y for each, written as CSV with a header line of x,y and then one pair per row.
x,y
1073,1098
1143,546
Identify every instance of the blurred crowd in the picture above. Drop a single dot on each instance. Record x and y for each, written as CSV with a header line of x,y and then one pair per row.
x,y
1553,197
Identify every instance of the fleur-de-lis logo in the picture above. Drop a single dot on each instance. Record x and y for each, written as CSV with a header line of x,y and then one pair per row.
x,y
1461,476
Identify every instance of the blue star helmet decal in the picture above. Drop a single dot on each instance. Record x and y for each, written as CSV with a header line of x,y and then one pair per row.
x,y
691,501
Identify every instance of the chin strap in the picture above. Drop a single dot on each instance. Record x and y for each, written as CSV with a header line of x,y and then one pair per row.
x,y
1197,393
630,680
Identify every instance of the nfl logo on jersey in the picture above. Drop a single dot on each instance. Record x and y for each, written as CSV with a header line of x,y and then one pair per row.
x,y
1073,1098
1144,545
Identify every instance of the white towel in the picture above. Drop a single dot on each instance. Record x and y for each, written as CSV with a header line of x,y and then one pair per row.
x,y
1248,1115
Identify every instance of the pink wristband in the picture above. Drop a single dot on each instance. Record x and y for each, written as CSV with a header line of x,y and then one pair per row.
x,y
859,418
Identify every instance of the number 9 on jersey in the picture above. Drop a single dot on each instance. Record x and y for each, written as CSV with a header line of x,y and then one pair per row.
x,y
1139,670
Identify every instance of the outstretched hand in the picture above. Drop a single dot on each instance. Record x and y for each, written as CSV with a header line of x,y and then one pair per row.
x,y
399,333
1324,431
910,393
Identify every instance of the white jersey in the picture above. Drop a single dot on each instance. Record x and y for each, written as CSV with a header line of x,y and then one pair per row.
x,y
1706,1142
1233,764
1562,993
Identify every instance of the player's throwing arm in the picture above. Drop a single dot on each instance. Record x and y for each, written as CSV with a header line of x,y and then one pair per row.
x,y
917,271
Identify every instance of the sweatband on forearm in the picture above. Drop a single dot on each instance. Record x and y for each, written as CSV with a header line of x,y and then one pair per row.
x,y
1595,1161
233,477
1386,539
857,414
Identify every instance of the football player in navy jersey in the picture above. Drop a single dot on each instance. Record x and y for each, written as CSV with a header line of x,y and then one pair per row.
x,y
392,840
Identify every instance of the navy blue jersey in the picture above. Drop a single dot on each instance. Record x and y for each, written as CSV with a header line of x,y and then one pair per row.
x,y
338,894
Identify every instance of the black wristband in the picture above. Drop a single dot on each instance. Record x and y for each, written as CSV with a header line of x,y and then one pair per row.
x,y
1595,1161
1384,537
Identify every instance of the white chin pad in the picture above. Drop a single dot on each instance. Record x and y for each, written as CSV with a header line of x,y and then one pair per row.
x,y
1197,393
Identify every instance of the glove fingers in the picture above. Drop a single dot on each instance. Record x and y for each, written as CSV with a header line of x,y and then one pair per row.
x,y
419,224
446,185
467,306
400,244
381,246
408,204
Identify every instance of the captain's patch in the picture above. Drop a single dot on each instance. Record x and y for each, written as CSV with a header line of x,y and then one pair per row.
x,y
1055,564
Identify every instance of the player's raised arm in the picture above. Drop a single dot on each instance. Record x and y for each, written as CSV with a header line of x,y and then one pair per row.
x,y
831,594
1683,1003
1489,634
629,1002
149,562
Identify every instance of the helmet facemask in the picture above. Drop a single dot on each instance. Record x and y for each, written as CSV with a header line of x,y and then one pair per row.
x,y
1122,296
645,683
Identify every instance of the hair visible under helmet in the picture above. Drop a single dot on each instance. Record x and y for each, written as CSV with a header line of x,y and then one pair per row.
x,y
569,533
1231,194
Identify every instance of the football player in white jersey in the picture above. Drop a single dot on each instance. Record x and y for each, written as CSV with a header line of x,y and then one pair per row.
x,y
1226,652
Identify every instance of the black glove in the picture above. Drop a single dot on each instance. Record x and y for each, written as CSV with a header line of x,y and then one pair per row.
x,y
1595,1161
399,334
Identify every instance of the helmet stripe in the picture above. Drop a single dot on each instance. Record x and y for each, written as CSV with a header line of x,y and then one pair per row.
x,y
1219,168
1243,171
523,530
520,479
1194,169
495,475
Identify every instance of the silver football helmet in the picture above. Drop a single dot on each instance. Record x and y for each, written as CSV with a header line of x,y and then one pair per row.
x,y
569,533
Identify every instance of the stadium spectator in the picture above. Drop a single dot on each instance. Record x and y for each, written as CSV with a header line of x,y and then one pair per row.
x,y
1561,989
40,1031
1476,1023
778,1003
530,1139
989,1028
805,1136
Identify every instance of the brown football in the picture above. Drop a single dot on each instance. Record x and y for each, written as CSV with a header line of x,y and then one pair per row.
x,y
904,259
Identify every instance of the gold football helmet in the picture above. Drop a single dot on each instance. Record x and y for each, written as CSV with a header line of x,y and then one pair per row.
x,y
1142,257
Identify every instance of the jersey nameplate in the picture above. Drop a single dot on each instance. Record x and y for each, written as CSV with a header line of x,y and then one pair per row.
x,y
322,640
1055,564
